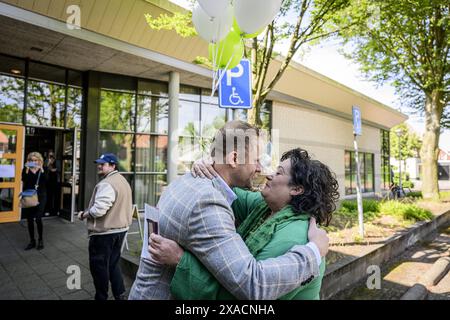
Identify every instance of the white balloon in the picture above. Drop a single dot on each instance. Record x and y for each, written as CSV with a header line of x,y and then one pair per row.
x,y
212,29
253,15
214,8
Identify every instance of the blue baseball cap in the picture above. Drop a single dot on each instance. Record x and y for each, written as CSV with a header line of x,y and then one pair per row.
x,y
107,158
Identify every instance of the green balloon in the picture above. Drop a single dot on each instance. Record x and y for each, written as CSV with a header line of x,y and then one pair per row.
x,y
229,51
245,35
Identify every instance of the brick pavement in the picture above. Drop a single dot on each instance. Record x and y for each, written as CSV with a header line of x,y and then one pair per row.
x,y
41,275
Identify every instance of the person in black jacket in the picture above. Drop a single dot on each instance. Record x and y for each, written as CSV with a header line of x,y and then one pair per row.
x,y
33,175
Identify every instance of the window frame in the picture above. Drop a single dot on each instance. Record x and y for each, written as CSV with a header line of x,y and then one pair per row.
x,y
350,172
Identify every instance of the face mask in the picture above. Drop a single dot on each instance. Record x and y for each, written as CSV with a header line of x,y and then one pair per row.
x,y
31,164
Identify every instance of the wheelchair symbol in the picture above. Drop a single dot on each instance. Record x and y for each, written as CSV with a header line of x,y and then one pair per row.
x,y
235,99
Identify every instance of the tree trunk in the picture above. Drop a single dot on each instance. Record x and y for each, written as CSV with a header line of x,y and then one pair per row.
x,y
253,114
430,147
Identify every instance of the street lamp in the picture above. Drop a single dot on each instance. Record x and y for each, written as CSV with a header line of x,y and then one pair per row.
x,y
399,133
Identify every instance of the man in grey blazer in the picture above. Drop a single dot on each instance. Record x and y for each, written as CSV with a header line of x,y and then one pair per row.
x,y
197,214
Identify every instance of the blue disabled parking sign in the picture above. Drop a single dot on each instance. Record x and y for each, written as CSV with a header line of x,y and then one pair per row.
x,y
357,128
235,87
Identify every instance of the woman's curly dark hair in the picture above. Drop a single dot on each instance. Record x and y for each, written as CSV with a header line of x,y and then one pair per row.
x,y
319,184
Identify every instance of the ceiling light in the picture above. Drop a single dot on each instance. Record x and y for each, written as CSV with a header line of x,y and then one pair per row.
x,y
15,71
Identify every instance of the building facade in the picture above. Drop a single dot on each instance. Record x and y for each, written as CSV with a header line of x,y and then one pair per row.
x,y
116,85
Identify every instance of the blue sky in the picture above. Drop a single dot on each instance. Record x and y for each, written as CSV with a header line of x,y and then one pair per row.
x,y
325,59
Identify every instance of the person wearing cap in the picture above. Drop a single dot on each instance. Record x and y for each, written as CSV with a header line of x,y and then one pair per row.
x,y
108,216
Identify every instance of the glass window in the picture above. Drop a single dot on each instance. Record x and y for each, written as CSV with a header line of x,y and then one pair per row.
x,y
162,116
213,118
148,189
153,88
385,160
353,172
144,114
151,153
369,176
45,104
348,171
74,104
206,97
366,172
362,170
6,199
189,151
130,179
11,99
117,110
189,93
8,141
152,115
121,145
240,114
189,118
265,115
7,169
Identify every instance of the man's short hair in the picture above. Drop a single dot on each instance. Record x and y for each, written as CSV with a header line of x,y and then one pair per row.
x,y
236,136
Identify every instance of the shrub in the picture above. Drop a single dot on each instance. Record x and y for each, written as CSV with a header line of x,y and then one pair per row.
x,y
406,211
414,194
413,212
352,206
406,182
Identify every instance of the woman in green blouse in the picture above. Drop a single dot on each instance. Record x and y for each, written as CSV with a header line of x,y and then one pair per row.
x,y
271,222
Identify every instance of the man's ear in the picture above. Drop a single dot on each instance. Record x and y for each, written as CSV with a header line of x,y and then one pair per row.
x,y
295,191
232,159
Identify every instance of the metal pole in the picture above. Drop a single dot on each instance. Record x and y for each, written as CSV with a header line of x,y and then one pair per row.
x,y
399,169
358,190
172,161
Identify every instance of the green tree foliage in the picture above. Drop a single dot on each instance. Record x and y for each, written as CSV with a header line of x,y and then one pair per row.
x,y
299,22
406,43
117,111
410,143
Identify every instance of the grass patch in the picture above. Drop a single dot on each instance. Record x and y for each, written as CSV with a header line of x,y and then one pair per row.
x,y
444,195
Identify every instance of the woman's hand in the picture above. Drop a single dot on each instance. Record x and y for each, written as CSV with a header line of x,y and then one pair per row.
x,y
165,251
202,168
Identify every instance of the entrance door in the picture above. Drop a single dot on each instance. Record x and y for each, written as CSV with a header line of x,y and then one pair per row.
x,y
11,160
69,174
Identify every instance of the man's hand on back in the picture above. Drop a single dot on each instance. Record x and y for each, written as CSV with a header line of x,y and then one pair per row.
x,y
319,237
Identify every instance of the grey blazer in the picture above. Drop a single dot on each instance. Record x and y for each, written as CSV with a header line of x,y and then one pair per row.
x,y
195,213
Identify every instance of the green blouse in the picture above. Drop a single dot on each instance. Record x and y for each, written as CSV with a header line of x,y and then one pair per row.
x,y
192,281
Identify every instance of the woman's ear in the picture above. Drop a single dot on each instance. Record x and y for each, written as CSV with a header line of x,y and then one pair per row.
x,y
232,159
296,191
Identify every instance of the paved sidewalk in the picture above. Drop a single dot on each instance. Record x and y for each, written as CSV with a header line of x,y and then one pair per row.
x,y
41,275
406,270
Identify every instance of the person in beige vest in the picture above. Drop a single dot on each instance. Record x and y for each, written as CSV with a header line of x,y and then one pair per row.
x,y
108,217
